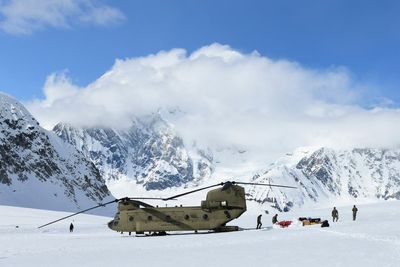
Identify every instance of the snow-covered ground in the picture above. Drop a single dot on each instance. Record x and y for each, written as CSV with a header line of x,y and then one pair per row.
x,y
372,240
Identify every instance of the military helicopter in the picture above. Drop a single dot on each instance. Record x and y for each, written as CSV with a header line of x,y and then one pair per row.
x,y
221,206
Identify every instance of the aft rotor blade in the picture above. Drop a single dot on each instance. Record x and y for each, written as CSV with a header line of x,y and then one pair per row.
x,y
193,191
63,218
274,185
143,204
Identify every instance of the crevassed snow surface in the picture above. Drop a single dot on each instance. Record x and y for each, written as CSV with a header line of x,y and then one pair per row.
x,y
372,240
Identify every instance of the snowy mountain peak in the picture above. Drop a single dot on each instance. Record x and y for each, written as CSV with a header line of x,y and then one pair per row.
x,y
14,113
38,169
148,153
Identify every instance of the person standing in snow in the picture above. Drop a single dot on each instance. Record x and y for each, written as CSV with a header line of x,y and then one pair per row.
x,y
71,228
275,219
259,224
354,212
335,214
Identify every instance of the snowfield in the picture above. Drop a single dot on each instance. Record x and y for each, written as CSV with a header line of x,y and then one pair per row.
x,y
372,240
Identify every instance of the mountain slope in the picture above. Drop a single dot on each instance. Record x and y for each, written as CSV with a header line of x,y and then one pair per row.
x,y
38,169
147,152
152,155
331,176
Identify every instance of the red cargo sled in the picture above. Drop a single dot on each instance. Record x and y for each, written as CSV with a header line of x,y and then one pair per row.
x,y
284,224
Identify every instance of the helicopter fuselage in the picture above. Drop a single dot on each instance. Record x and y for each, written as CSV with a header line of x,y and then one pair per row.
x,y
220,207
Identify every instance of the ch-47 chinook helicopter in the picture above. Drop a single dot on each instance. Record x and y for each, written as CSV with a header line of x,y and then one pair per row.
x,y
221,206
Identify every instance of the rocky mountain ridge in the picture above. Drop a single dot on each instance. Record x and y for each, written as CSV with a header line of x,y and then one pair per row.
x,y
330,176
42,169
157,159
39,170
148,152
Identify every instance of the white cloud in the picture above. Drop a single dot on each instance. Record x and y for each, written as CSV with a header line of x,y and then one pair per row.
x,y
27,16
227,98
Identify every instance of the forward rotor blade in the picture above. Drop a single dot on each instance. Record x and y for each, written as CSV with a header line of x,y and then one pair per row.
x,y
63,218
154,198
193,191
274,185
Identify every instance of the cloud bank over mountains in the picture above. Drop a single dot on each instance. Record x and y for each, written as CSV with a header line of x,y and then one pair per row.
x,y
221,97
21,17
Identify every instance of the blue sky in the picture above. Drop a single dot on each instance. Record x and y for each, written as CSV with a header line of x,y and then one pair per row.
x,y
363,36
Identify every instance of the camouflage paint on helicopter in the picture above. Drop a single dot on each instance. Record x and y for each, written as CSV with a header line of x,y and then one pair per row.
x,y
221,206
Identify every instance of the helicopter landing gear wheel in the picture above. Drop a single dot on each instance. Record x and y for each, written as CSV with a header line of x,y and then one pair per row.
x,y
229,228
161,233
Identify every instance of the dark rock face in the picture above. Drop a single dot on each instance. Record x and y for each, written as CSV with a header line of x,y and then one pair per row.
x,y
30,154
18,147
149,152
350,172
320,166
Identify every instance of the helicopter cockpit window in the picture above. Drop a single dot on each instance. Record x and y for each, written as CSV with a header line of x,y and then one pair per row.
x,y
116,217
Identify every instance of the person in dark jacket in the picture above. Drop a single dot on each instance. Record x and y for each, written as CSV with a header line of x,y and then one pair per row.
x,y
335,214
71,228
354,212
275,219
259,224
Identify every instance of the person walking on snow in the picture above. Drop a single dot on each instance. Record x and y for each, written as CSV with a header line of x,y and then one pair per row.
x,y
275,219
71,228
354,212
259,224
335,214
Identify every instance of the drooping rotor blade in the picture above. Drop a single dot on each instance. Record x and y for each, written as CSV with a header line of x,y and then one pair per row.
x,y
63,218
115,200
275,185
135,198
193,191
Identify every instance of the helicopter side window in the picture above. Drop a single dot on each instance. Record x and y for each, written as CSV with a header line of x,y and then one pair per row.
x,y
168,218
186,217
205,216
150,218
224,203
130,218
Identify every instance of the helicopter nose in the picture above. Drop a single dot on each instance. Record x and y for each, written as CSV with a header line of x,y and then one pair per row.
x,y
110,224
